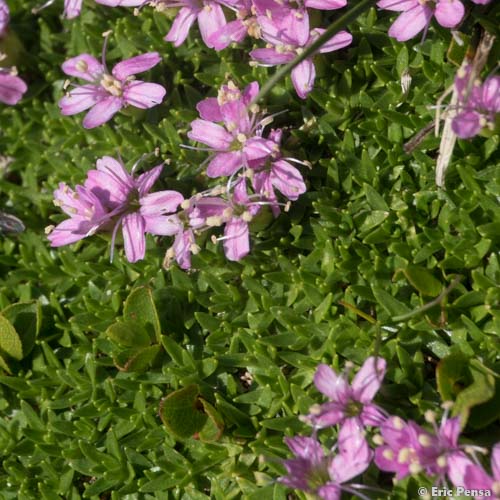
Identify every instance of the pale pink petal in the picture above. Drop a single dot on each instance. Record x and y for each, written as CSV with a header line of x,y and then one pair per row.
x,y
287,179
234,31
134,240
235,116
143,95
72,8
372,415
81,98
495,461
411,22
250,92
271,56
367,381
84,66
225,164
162,225
240,194
121,3
146,180
330,384
457,464
181,26
160,203
449,13
134,65
102,112
475,477
4,17
467,125
271,31
12,89
69,231
490,94
211,134
182,248
296,27
339,41
305,447
325,4
450,430
303,76
210,20
209,109
329,491
257,148
397,5
237,242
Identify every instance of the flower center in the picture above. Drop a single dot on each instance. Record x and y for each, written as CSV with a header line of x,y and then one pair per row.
x,y
133,200
318,476
111,85
353,409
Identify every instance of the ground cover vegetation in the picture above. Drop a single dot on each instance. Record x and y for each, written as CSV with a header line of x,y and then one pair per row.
x,y
233,280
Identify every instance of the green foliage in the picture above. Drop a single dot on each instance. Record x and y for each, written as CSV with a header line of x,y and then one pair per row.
x,y
373,239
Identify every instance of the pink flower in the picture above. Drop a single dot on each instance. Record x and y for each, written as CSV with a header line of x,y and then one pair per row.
x,y
326,475
417,14
106,93
288,36
478,106
12,87
237,142
111,197
349,402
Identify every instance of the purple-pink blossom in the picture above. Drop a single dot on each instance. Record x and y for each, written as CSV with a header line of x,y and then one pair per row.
x,y
478,104
289,36
107,93
112,198
349,401
476,478
4,17
416,15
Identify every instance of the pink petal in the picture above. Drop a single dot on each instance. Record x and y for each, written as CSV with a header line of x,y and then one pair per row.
x,y
305,447
162,225
475,478
467,125
372,415
12,89
330,384
411,22
211,134
303,77
490,94
121,3
134,65
81,98
287,179
271,56
69,231
237,242
325,4
225,164
210,20
92,68
102,112
449,13
160,203
330,491
339,41
182,248
4,17
367,381
209,109
72,8
133,227
296,27
397,5
143,95
234,31
457,464
181,26
355,454
495,462
146,180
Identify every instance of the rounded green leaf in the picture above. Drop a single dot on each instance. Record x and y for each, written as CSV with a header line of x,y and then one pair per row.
x,y
140,307
423,280
128,333
26,318
10,343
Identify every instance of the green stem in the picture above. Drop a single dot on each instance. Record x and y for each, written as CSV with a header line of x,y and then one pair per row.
x,y
357,311
345,19
431,304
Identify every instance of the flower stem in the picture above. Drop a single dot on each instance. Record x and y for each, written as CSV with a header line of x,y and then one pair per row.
x,y
438,300
332,30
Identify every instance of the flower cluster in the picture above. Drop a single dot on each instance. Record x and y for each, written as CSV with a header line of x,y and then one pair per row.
x,y
283,25
400,447
110,198
253,165
478,104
